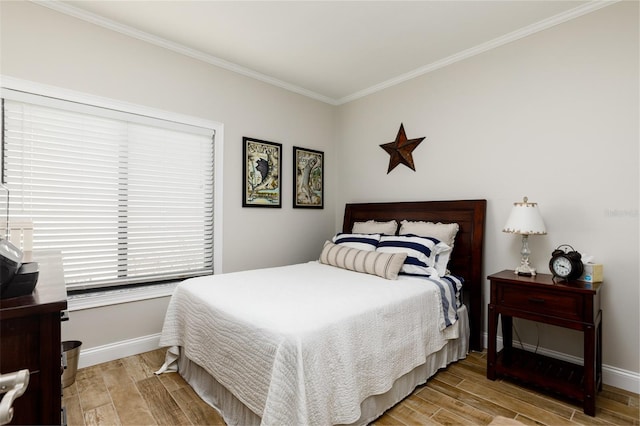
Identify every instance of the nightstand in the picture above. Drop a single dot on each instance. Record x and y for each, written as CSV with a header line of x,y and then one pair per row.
x,y
574,305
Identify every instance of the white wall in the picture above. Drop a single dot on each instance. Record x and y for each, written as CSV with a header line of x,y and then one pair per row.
x,y
47,47
553,116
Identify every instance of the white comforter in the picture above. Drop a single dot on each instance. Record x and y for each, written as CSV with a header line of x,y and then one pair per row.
x,y
305,344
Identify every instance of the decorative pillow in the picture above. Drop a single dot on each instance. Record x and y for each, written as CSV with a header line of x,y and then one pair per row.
x,y
422,253
373,227
367,242
445,232
385,265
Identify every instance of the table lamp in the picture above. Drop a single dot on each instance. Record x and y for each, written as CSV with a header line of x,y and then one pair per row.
x,y
525,219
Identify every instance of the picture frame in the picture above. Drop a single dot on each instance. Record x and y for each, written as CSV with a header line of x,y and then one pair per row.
x,y
261,173
308,178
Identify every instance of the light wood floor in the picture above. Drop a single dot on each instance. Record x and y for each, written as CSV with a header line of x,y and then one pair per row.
x,y
127,392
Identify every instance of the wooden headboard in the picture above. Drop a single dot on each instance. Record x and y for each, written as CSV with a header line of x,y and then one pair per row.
x,y
466,259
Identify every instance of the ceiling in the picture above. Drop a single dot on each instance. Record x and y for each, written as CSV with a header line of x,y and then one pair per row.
x,y
334,51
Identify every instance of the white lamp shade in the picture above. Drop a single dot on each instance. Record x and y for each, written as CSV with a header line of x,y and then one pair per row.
x,y
525,219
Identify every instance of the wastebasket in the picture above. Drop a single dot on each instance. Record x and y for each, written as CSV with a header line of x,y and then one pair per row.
x,y
70,349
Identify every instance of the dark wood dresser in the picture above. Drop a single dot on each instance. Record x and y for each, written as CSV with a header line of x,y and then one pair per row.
x,y
30,337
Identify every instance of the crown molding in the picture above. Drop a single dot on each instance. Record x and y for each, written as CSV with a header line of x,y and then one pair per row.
x,y
178,48
213,60
483,47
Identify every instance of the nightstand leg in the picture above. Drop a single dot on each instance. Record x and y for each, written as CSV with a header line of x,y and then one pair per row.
x,y
507,338
599,353
491,350
590,370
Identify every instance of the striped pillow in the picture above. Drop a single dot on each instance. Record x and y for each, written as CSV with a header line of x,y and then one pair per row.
x,y
385,265
422,253
367,242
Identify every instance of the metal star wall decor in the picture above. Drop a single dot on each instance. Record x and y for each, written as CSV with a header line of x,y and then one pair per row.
x,y
400,150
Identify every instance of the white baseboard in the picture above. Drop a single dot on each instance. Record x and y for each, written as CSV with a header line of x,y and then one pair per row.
x,y
612,376
116,350
622,379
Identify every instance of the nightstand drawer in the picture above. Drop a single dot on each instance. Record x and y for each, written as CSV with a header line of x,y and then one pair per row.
x,y
564,305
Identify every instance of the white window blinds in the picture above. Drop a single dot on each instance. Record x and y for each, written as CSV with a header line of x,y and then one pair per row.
x,y
127,199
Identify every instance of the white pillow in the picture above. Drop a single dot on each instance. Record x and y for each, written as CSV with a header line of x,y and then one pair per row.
x,y
373,227
442,261
445,232
385,265
367,242
422,253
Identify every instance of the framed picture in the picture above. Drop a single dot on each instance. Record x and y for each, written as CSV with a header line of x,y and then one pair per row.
x,y
261,173
308,183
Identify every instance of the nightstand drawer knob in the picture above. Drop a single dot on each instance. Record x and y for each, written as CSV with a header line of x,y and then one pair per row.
x,y
536,300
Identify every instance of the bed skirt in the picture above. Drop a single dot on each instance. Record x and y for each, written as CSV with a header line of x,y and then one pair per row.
x,y
235,413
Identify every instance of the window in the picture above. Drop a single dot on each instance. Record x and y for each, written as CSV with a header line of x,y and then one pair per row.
x,y
126,198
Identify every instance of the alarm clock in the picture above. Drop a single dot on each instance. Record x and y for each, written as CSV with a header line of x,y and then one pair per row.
x,y
566,263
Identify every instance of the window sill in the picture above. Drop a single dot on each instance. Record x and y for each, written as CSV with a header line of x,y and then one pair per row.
x,y
102,298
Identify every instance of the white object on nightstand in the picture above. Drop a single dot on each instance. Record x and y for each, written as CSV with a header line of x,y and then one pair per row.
x,y
525,219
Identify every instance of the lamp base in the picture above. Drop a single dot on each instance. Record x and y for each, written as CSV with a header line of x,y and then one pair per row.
x,y
524,270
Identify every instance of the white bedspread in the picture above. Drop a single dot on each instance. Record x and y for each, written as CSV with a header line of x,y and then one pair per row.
x,y
306,344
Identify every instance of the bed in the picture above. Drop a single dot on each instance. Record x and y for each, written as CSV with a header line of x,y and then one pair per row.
x,y
336,345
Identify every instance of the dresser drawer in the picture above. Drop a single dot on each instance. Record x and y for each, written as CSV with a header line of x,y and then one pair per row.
x,y
565,305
